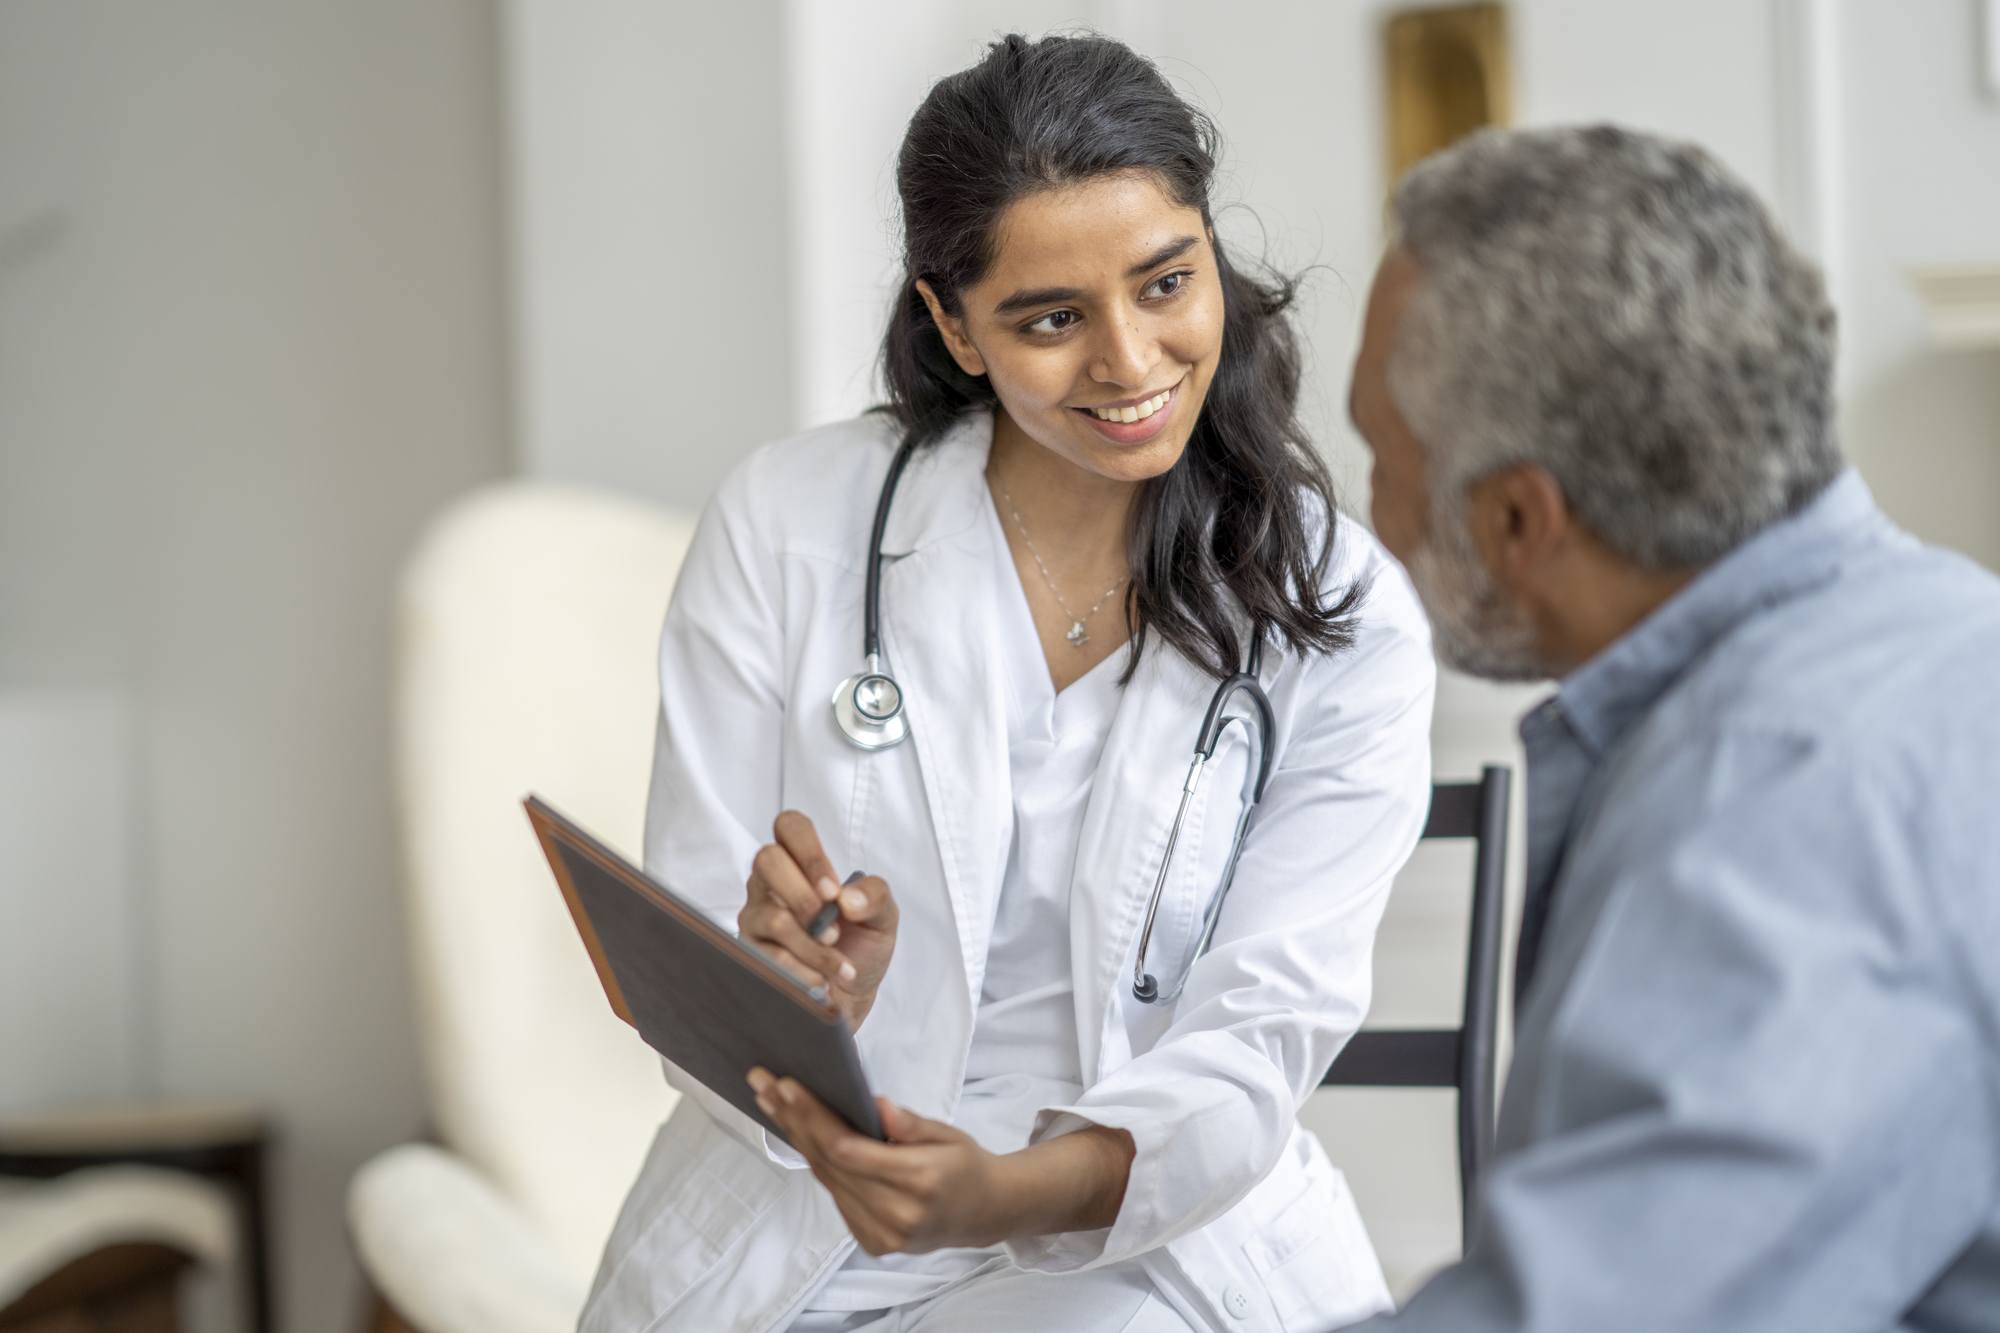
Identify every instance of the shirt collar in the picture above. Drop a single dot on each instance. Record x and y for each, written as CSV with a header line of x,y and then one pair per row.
x,y
1601,699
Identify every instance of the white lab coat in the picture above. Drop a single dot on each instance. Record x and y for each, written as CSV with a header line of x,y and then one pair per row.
x,y
1234,1211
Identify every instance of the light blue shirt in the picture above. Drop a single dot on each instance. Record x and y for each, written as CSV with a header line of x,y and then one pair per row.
x,y
1756,1079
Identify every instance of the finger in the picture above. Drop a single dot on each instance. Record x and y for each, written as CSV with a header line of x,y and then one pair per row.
x,y
878,1208
868,901
789,961
881,1216
867,1224
893,1166
905,1126
796,834
776,926
762,1081
810,1114
785,1115
774,871
832,1139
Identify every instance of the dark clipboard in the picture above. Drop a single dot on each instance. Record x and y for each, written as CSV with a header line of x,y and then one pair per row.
x,y
697,994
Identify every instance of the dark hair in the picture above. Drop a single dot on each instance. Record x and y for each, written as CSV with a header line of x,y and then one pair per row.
x,y
1248,511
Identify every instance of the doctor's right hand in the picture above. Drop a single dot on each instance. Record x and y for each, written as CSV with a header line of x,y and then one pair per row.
x,y
790,881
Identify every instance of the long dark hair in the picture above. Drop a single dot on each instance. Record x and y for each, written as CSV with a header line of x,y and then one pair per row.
x,y
1247,514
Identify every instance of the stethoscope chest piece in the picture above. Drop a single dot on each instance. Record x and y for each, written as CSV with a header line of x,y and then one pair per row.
x,y
868,706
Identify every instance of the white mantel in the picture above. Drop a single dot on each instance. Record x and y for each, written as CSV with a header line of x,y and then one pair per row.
x,y
1962,303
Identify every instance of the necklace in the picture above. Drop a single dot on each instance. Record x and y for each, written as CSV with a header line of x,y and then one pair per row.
x,y
1077,638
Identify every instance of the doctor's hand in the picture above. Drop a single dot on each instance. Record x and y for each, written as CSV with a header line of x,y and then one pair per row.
x,y
790,881
929,1189
933,1187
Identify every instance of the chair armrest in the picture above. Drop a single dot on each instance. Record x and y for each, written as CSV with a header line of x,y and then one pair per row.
x,y
452,1254
47,1225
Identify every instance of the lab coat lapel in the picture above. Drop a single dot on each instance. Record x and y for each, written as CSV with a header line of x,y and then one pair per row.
x,y
939,628
1124,837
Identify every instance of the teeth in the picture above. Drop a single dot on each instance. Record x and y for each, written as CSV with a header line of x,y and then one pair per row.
x,y
1130,414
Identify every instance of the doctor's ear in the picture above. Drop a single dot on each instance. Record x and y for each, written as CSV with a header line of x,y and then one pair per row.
x,y
953,328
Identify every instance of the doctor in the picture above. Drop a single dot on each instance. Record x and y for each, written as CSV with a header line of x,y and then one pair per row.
x,y
970,644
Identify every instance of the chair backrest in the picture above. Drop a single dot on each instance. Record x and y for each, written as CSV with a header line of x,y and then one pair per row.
x,y
1462,1057
528,644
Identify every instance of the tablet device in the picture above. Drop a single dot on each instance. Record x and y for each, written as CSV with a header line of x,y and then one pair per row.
x,y
699,996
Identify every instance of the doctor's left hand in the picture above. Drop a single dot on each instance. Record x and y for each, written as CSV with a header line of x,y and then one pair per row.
x,y
931,1188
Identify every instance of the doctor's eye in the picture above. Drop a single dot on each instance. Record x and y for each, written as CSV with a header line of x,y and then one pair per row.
x,y
1170,284
1056,321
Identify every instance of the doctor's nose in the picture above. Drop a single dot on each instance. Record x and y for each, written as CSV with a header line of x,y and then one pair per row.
x,y
1126,355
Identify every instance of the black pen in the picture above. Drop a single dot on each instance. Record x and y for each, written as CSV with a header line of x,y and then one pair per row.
x,y
830,913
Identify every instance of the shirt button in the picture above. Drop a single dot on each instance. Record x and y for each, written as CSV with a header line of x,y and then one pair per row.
x,y
1234,1301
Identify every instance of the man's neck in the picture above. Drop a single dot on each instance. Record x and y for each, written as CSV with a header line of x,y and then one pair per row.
x,y
1600,606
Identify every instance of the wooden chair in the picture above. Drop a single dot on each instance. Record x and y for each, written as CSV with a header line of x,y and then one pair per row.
x,y
1461,1058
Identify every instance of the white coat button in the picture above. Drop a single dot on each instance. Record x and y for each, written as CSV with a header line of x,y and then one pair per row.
x,y
1234,1301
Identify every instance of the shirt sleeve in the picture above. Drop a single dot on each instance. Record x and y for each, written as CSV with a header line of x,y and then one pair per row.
x,y
715,758
1212,1104
1761,1101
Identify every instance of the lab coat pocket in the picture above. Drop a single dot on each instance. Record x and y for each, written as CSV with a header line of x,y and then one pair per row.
x,y
1315,1260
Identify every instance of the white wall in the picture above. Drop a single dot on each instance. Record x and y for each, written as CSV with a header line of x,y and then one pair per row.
x,y
1919,171
650,259
75,946
250,336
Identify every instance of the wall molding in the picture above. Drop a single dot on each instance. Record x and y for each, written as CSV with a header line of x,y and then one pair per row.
x,y
1990,46
1811,186
1961,303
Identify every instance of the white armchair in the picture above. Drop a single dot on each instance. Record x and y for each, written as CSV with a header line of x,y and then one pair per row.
x,y
530,619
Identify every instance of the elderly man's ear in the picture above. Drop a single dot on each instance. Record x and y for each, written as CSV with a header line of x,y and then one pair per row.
x,y
1521,525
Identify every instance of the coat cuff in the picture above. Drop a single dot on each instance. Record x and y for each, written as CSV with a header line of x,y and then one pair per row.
x,y
1133,1231
781,1152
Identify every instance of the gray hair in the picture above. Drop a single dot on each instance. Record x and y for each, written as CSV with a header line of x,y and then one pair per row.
x,y
1621,311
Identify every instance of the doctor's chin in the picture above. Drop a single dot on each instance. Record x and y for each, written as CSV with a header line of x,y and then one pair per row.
x,y
845,668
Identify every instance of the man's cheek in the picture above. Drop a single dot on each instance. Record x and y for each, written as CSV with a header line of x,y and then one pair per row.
x,y
1395,526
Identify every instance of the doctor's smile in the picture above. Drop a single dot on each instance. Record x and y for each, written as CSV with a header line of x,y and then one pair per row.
x,y
1134,421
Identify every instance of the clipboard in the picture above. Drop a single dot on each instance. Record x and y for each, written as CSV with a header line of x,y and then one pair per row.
x,y
702,998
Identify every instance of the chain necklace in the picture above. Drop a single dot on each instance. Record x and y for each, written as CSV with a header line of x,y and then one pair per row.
x,y
1077,638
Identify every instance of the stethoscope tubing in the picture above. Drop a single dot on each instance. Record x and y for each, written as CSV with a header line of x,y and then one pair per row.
x,y
871,606
870,730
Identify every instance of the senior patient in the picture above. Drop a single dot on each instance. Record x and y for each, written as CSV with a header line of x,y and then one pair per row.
x,y
1756,1081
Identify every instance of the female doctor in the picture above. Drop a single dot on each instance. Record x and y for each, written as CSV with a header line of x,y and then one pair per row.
x,y
1086,537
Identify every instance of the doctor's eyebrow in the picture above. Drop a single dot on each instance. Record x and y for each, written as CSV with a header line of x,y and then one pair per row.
x,y
1040,296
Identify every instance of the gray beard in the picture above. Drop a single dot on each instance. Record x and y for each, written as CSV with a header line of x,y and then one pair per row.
x,y
1473,627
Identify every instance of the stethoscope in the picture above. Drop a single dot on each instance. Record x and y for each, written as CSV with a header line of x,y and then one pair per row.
x,y
868,706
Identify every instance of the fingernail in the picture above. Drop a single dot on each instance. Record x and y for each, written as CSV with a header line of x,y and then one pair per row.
x,y
758,1080
764,1105
846,971
828,889
829,935
854,900
786,1092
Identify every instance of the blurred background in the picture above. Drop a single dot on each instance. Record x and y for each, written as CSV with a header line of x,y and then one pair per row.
x,y
281,283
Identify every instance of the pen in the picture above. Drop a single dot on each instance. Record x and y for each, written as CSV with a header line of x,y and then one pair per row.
x,y
829,913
